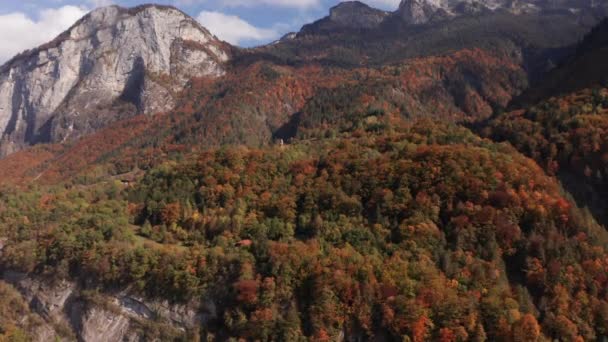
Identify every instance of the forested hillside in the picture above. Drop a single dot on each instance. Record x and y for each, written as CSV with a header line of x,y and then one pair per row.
x,y
421,230
391,182
567,136
563,123
265,102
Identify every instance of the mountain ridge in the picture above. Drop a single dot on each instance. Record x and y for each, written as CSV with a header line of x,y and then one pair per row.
x,y
421,12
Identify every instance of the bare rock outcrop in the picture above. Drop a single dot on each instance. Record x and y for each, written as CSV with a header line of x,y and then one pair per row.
x,y
347,15
70,312
113,63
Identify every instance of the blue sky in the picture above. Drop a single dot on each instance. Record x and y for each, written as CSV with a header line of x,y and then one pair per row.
x,y
27,23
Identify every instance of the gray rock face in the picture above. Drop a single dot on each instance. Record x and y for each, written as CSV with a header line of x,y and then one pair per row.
x,y
112,317
99,325
46,300
113,63
356,14
347,15
417,11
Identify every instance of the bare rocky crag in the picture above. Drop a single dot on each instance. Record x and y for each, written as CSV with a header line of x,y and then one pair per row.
x,y
113,63
70,313
348,14
65,311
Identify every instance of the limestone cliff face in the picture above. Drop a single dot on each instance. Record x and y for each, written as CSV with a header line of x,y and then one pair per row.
x,y
418,11
66,311
113,63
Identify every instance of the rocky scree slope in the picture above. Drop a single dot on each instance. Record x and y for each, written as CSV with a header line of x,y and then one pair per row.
x,y
134,60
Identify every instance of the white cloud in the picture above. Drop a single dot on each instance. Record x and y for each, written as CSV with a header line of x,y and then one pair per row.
x,y
18,32
233,29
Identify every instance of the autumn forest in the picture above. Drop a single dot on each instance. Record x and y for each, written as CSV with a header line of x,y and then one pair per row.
x,y
449,196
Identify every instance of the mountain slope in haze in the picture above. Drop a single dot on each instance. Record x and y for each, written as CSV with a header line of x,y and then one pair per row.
x,y
568,136
112,64
562,122
585,68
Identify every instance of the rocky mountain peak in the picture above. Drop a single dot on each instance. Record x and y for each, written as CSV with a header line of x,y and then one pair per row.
x,y
347,15
356,14
423,11
418,11
113,63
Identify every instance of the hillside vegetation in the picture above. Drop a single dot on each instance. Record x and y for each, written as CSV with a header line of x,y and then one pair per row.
x,y
420,231
325,189
563,123
265,102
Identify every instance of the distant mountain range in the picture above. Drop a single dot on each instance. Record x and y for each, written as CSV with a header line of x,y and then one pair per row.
x,y
355,14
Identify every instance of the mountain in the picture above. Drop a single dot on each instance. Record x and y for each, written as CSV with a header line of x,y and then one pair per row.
x,y
583,69
329,186
112,64
355,35
355,14
46,93
264,102
423,11
347,14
